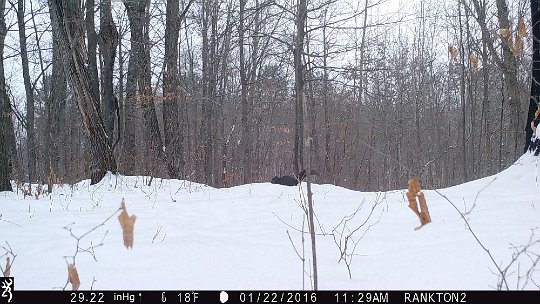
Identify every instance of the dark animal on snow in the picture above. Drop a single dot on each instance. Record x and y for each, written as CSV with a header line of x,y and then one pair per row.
x,y
288,180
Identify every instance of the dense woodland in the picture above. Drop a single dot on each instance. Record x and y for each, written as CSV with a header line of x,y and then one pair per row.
x,y
364,92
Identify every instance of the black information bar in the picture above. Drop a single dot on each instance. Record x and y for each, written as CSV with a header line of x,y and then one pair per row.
x,y
248,297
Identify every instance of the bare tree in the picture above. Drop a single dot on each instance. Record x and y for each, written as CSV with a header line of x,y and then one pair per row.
x,y
505,62
55,107
108,42
462,96
225,85
299,83
173,132
5,111
246,132
171,125
303,132
30,108
508,65
534,99
154,154
92,40
68,21
210,62
136,12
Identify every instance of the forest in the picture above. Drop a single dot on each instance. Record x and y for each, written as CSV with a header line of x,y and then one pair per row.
x,y
364,93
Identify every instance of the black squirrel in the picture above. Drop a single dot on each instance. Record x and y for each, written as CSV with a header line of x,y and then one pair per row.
x,y
288,180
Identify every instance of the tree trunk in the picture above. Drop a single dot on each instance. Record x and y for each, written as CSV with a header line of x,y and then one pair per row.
x,y
222,176
358,115
257,53
507,64
208,85
136,13
121,100
74,53
152,135
108,41
535,81
303,134
509,69
325,97
91,36
485,150
299,71
463,127
172,128
246,131
56,102
5,112
30,109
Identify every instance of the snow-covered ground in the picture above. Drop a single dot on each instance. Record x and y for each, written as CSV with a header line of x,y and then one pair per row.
x,y
193,237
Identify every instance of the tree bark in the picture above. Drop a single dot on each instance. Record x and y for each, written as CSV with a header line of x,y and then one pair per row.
x,y
485,150
209,20
30,108
463,127
108,42
303,132
299,71
257,54
92,39
506,63
68,22
246,131
172,131
152,135
56,103
509,69
136,13
535,79
5,112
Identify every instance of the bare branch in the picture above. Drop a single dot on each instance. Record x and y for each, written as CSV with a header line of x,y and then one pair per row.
x,y
500,271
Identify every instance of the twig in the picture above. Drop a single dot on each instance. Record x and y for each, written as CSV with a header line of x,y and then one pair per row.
x,y
90,249
346,234
10,222
294,247
533,256
157,233
501,273
9,252
93,281
294,228
478,194
303,254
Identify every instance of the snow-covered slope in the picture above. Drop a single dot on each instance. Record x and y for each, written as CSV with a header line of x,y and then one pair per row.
x,y
190,236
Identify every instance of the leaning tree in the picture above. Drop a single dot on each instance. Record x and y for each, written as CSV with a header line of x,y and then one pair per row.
x,y
67,22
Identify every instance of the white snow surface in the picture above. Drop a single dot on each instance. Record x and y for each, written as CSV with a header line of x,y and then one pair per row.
x,y
190,236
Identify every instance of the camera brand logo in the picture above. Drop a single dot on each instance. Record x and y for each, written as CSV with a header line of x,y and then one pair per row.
x,y
6,287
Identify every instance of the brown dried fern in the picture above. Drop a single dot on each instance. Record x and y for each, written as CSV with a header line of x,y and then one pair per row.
x,y
127,222
73,276
417,202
